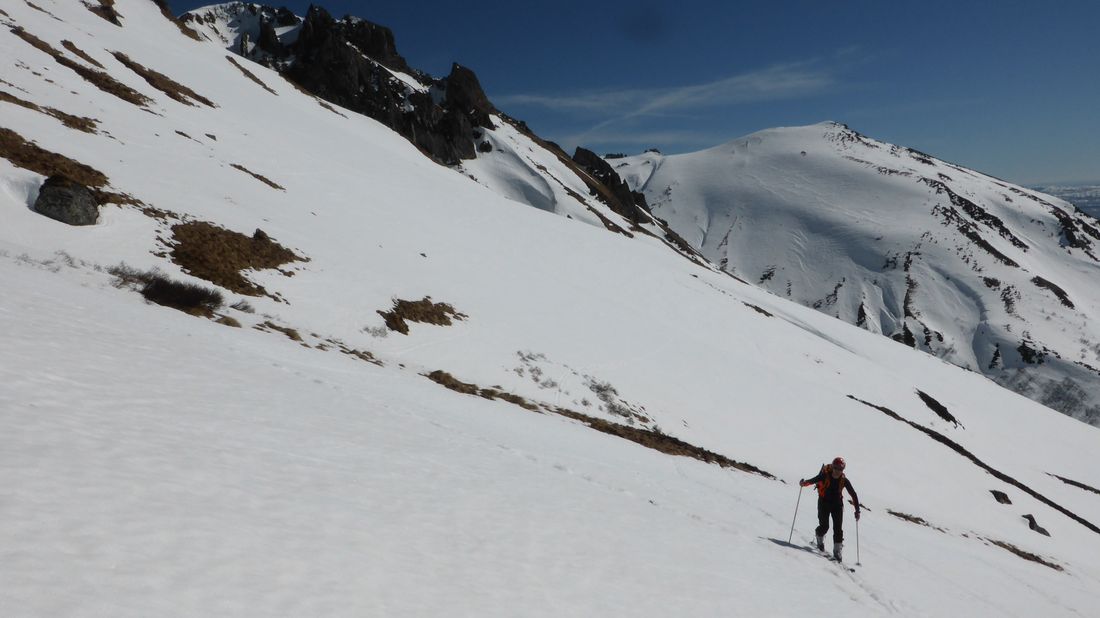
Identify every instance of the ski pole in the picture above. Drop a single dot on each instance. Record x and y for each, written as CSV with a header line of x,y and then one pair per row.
x,y
857,540
791,536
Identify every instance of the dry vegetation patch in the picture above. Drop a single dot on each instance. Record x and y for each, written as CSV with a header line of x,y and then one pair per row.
x,y
163,83
291,333
1026,555
29,156
167,12
660,442
40,9
267,181
157,288
79,123
648,438
913,519
69,45
229,321
424,311
99,79
250,75
106,10
1076,484
219,255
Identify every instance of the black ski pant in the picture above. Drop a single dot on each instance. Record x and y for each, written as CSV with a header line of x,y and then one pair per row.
x,y
826,509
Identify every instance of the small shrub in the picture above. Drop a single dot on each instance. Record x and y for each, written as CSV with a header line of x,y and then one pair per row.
x,y
377,331
243,306
127,276
228,321
187,297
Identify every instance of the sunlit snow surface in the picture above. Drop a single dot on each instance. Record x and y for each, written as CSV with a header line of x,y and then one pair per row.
x,y
158,464
894,240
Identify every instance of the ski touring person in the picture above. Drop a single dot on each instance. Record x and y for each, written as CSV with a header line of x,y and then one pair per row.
x,y
830,503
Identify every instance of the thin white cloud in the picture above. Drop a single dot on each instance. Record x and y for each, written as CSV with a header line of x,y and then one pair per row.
x,y
778,82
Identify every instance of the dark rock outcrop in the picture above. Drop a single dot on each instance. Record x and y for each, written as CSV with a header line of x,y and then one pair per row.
x,y
1000,496
67,201
1034,525
375,41
345,62
627,203
465,95
269,42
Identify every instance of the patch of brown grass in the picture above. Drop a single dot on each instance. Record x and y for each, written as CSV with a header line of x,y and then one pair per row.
x,y
69,45
167,12
449,381
913,519
759,310
263,179
39,9
291,333
29,156
330,108
1026,555
660,442
1076,484
424,311
79,123
228,321
99,79
250,75
163,83
106,10
648,438
219,255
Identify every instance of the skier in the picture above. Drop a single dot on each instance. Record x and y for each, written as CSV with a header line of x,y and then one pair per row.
x,y
829,482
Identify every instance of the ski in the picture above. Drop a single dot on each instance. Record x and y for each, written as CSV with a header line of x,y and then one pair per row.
x,y
826,555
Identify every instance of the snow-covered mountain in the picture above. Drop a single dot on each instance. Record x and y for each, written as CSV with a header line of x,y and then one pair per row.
x,y
417,397
985,274
354,63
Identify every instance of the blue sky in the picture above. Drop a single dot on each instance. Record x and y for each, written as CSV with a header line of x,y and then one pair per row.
x,y
1009,88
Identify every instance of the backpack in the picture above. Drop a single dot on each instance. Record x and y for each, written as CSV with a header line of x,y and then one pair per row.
x,y
827,479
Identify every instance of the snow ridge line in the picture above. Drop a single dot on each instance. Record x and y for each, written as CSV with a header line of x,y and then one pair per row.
x,y
958,448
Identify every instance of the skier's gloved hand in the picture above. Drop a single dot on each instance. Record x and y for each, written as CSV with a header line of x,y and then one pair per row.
x,y
857,514
802,482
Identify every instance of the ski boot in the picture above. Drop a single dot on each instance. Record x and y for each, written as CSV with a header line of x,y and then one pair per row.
x,y
838,552
820,542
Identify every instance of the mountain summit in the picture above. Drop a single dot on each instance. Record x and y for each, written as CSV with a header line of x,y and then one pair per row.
x,y
985,274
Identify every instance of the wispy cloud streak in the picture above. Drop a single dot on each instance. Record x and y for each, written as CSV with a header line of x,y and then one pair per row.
x,y
779,82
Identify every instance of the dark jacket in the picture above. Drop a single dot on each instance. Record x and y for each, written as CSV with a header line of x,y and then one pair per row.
x,y
828,488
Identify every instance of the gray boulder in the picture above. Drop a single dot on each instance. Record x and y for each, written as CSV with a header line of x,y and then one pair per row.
x,y
67,201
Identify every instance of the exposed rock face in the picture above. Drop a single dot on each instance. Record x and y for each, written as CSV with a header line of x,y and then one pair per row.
x,y
67,201
349,62
630,204
465,95
269,41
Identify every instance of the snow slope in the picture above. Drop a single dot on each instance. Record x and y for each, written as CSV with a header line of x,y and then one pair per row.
x,y
987,275
510,159
156,463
